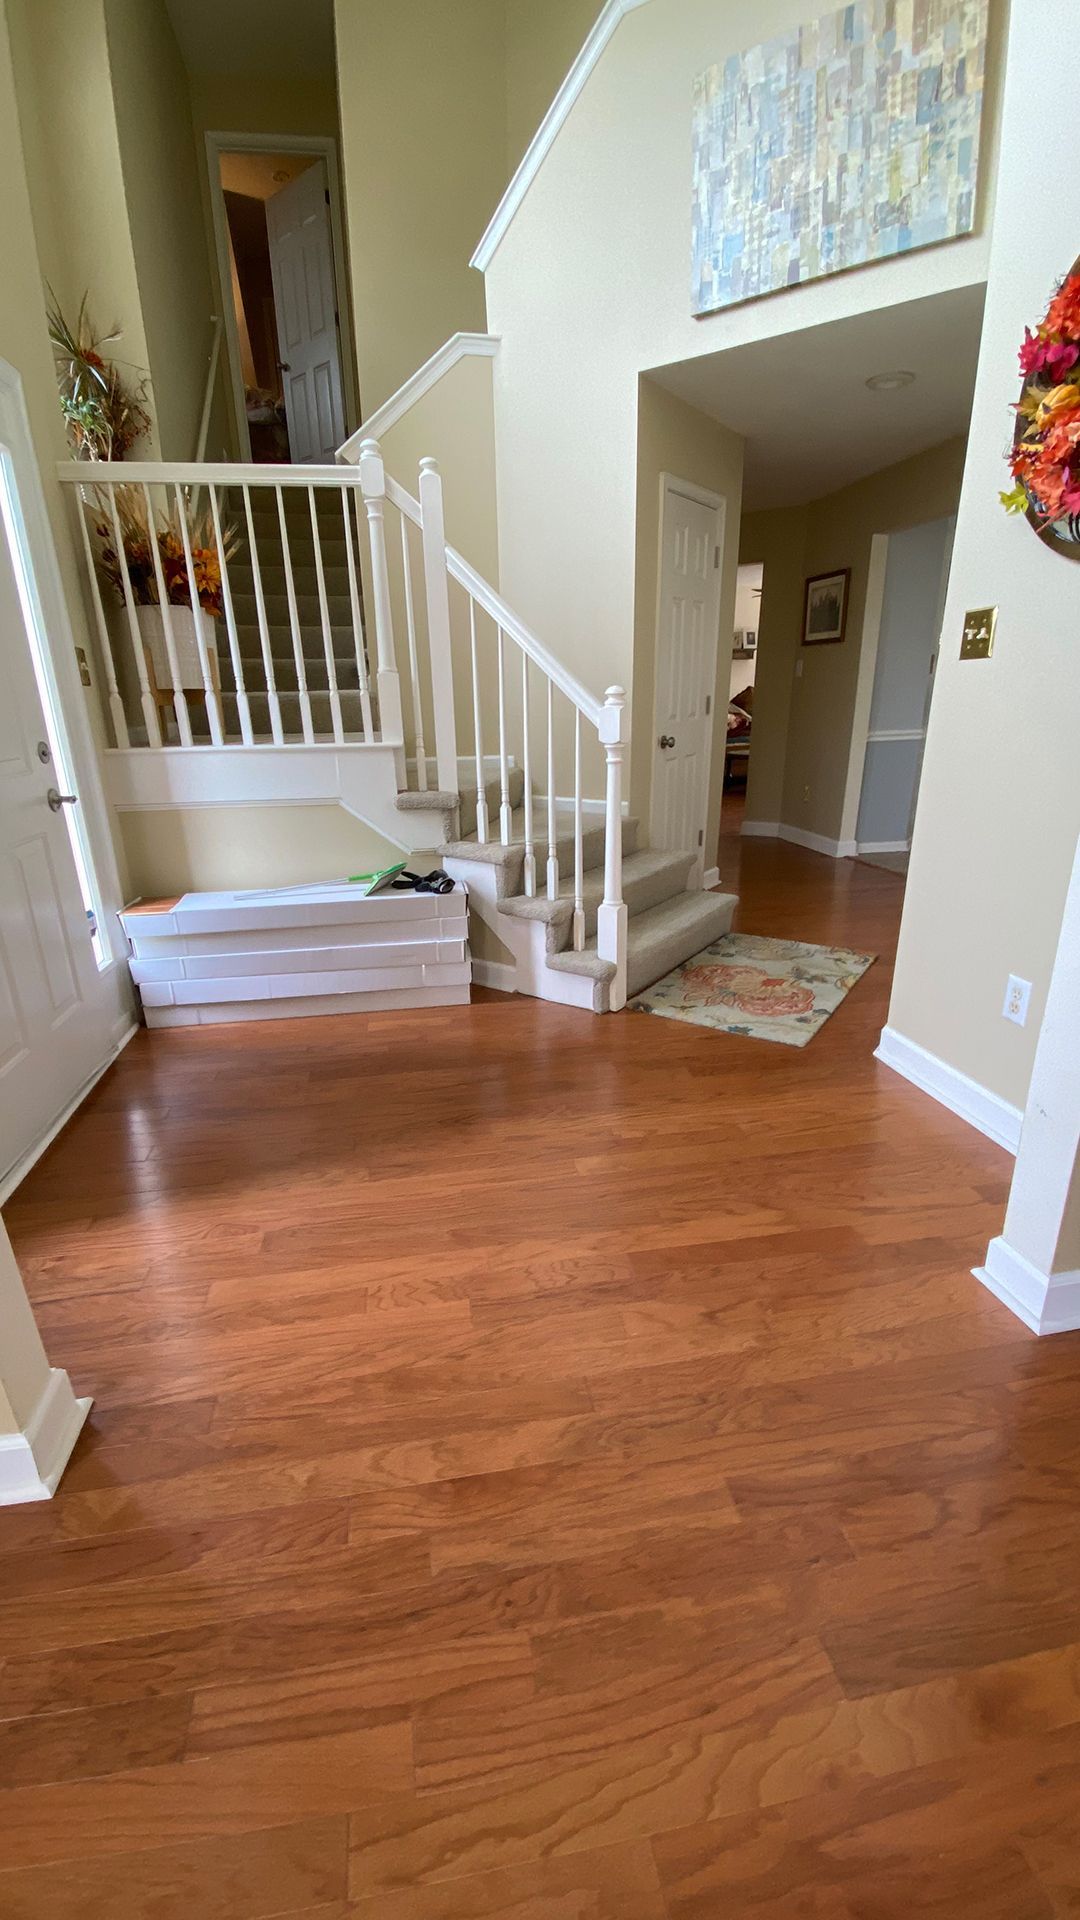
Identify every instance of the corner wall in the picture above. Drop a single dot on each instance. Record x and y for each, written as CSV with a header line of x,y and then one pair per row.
x,y
999,807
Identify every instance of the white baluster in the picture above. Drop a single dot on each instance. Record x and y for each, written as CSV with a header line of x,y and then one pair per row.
x,y
552,833
578,922
210,691
180,706
611,917
272,701
528,871
327,632
153,730
373,486
437,590
505,812
481,791
243,705
414,664
116,704
304,696
357,621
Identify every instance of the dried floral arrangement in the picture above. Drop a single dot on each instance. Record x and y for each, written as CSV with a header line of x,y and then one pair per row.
x,y
104,415
138,539
1045,455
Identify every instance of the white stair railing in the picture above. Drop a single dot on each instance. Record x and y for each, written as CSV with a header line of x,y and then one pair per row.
x,y
504,713
228,604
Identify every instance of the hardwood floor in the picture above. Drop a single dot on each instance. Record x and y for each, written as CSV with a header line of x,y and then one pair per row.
x,y
542,1467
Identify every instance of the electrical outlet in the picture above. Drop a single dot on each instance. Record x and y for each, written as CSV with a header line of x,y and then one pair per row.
x,y
1017,996
806,793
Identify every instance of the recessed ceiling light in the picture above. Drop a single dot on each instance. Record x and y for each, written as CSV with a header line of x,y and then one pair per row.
x,y
889,382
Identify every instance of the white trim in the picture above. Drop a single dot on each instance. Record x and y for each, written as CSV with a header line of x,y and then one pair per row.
x,y
31,1462
544,138
325,148
672,483
498,974
710,879
1047,1303
11,1179
869,642
897,733
760,829
460,346
818,842
884,846
976,1104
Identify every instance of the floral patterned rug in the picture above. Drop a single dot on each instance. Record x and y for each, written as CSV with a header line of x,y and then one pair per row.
x,y
764,989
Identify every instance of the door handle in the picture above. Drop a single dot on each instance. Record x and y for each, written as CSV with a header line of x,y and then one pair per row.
x,y
666,740
284,367
57,800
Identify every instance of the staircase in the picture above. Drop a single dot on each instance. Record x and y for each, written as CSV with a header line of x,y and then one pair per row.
x,y
585,914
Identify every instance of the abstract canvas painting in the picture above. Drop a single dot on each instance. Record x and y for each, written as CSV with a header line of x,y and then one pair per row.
x,y
849,140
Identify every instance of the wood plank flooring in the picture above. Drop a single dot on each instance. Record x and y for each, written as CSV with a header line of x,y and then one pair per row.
x,y
541,1467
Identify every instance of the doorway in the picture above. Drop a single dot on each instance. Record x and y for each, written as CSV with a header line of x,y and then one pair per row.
x,y
691,543
912,603
278,230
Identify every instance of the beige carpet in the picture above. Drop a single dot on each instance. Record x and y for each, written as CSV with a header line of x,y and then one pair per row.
x,y
892,862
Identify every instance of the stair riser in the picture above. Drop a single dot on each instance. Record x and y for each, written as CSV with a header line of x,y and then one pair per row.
x,y
276,605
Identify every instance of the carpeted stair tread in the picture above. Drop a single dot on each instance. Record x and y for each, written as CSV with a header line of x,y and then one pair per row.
x,y
649,878
510,856
656,941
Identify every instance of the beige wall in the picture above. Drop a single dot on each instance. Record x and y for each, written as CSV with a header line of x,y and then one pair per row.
x,y
999,804
24,344
591,287
675,438
161,187
177,850
73,165
803,726
421,95
542,43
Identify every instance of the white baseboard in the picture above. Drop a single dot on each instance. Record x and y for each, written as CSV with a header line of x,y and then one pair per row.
x,y
951,1088
31,1462
1047,1303
495,973
128,1029
884,846
710,878
761,829
819,842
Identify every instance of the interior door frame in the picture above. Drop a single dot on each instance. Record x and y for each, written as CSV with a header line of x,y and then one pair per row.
x,y
321,147
672,483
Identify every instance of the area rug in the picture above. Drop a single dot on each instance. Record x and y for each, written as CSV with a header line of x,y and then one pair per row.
x,y
763,989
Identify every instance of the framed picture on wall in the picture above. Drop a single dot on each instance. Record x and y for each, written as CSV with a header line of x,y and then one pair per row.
x,y
825,607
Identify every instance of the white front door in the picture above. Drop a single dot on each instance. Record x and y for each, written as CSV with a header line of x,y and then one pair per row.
x,y
302,265
691,536
56,1010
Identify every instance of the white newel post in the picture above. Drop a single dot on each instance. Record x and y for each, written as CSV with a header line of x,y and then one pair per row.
x,y
373,488
40,1418
437,592
611,915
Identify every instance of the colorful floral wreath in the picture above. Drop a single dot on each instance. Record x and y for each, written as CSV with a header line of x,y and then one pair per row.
x,y
1045,457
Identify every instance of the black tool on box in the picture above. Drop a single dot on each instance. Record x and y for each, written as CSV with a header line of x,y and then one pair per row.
x,y
434,882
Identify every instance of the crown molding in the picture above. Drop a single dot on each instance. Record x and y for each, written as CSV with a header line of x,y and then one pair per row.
x,y
459,347
544,138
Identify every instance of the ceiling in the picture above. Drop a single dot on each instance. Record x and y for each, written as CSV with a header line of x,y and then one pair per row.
x,y
261,175
801,402
267,39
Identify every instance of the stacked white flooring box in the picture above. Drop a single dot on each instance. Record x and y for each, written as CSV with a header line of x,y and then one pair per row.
x,y
214,957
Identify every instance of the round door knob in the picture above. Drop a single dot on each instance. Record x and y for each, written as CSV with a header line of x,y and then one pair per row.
x,y
666,740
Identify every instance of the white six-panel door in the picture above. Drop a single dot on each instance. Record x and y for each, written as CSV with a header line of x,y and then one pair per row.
x,y
56,1012
691,534
302,265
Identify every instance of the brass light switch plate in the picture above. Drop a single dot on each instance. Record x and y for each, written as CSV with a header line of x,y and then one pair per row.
x,y
980,627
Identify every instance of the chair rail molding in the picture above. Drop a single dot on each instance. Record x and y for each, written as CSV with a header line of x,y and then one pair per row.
x,y
460,346
544,138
